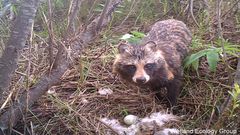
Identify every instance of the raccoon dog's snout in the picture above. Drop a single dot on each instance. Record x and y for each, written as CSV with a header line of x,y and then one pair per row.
x,y
141,80
140,76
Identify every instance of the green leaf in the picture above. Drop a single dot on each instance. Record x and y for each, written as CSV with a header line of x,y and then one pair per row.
x,y
235,106
189,60
234,49
238,102
138,34
14,8
212,59
195,64
232,53
237,88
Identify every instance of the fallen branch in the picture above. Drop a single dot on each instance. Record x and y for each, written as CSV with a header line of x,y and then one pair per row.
x,y
54,76
16,42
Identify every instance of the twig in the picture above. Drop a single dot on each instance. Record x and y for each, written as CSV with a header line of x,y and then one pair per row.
x,y
108,126
101,53
6,101
15,131
90,14
190,103
103,14
50,32
224,85
227,12
220,36
72,14
212,115
191,12
27,79
130,12
237,75
73,10
208,11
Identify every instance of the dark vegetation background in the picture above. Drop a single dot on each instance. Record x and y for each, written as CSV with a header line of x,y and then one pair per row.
x,y
49,63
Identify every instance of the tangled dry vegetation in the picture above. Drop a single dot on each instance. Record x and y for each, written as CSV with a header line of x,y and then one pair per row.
x,y
75,106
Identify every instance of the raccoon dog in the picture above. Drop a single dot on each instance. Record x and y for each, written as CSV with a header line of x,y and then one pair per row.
x,y
157,61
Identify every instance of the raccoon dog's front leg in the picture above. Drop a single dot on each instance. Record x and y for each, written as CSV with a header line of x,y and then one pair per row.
x,y
173,89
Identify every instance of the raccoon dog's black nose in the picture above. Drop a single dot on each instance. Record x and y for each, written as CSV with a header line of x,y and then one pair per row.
x,y
141,80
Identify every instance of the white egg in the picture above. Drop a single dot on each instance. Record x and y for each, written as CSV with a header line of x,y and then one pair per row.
x,y
130,119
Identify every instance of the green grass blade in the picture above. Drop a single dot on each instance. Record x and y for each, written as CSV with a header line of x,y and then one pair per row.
x,y
212,59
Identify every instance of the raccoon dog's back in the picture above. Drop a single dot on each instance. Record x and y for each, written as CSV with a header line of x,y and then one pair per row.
x,y
170,33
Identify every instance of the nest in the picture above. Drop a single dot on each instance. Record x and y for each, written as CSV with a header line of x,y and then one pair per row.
x,y
76,105
82,106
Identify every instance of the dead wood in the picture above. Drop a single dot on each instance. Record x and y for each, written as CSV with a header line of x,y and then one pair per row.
x,y
50,31
13,114
73,10
16,42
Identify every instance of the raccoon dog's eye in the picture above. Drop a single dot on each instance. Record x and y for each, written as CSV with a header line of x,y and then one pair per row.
x,y
149,66
131,68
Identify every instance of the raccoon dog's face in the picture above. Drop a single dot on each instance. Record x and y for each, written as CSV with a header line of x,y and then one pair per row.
x,y
140,63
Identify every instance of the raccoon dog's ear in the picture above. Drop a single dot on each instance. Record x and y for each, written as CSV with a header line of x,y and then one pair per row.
x,y
150,46
124,47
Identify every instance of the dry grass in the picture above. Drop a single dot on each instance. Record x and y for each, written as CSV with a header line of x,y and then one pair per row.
x,y
79,105
75,106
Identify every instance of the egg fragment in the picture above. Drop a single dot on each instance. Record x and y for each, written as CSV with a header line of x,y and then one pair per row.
x,y
130,119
